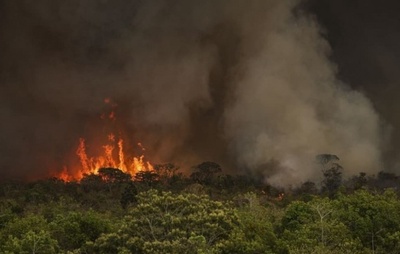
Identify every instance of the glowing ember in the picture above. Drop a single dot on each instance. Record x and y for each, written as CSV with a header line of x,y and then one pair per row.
x,y
280,196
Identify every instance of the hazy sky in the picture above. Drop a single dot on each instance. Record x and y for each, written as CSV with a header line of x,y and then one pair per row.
x,y
364,36
259,86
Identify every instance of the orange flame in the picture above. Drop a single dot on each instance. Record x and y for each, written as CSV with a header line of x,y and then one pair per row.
x,y
91,165
113,155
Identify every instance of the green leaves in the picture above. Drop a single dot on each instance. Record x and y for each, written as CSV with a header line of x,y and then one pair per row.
x,y
31,242
30,234
166,223
356,222
372,218
74,229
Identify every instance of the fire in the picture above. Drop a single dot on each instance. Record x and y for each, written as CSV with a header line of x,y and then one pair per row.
x,y
113,155
64,175
280,196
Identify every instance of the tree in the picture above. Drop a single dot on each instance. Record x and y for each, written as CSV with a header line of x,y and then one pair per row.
x,y
205,171
255,231
166,223
165,171
74,229
30,234
357,182
92,182
332,181
31,242
306,191
148,177
332,173
113,176
128,196
323,209
326,159
313,227
372,218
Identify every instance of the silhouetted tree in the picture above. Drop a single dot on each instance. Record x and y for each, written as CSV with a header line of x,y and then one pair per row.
x,y
205,172
92,182
165,171
113,176
357,182
147,177
332,181
332,172
306,190
128,196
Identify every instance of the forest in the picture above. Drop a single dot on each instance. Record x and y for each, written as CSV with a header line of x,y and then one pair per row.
x,y
207,211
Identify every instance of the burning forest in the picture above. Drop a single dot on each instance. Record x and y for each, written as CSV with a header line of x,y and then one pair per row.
x,y
112,154
199,126
252,87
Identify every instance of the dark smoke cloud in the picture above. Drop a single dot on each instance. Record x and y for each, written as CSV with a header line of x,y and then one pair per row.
x,y
364,36
246,84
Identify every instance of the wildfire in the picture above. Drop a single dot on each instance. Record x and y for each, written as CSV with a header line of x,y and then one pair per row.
x,y
113,155
91,165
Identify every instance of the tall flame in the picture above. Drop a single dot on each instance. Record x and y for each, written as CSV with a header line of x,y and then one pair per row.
x,y
113,156
91,165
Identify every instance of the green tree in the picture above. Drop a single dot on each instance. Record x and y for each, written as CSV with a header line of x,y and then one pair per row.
x,y
313,227
372,218
30,234
166,223
255,231
31,242
74,229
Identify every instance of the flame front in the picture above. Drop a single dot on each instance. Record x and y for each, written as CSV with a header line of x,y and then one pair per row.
x,y
91,165
113,154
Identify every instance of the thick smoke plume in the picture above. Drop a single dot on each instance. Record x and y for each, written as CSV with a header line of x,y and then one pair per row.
x,y
247,84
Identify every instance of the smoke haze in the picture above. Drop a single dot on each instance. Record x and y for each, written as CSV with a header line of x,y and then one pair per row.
x,y
247,84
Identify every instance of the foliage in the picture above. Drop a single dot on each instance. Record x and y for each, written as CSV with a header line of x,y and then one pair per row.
x,y
166,172
372,218
255,231
204,172
148,178
128,196
31,242
164,211
310,227
30,234
166,223
332,172
74,229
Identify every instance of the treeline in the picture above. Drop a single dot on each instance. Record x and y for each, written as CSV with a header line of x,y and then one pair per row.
x,y
164,211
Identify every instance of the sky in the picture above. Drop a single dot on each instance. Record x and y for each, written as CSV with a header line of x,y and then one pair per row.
x,y
260,87
364,38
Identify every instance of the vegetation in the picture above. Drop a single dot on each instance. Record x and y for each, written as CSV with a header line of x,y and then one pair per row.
x,y
163,211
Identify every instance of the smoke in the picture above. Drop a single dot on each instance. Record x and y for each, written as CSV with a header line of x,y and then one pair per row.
x,y
246,84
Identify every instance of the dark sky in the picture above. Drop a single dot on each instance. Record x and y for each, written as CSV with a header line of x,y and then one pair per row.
x,y
177,68
365,39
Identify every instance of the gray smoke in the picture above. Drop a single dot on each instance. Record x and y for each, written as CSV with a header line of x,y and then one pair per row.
x,y
247,84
